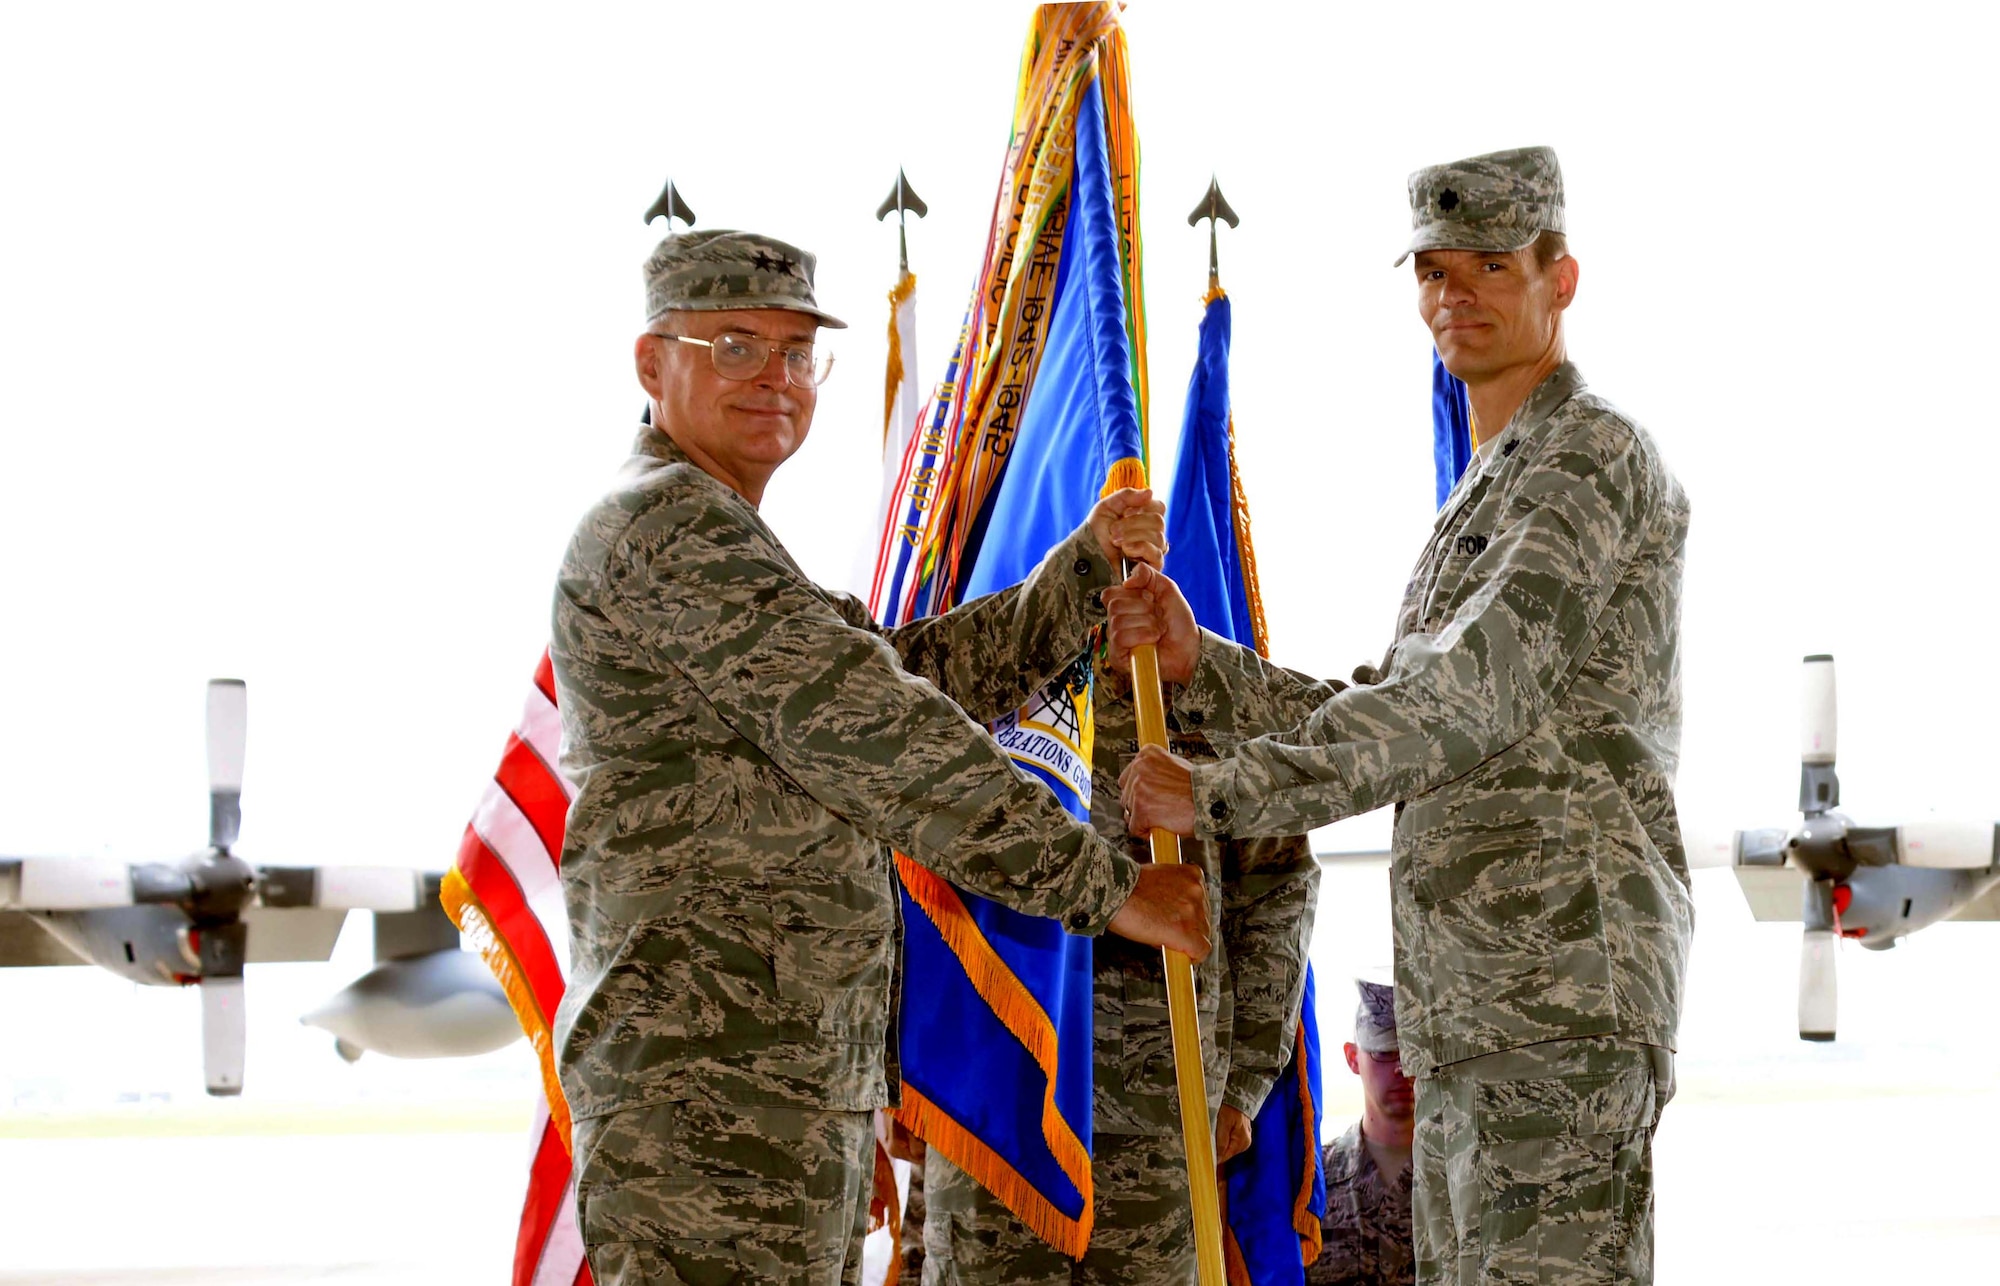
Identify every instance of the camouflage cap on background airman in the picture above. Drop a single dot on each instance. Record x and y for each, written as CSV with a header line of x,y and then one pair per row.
x,y
1375,1017
1499,201
719,269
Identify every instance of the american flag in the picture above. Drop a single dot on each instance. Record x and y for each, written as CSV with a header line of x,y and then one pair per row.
x,y
504,893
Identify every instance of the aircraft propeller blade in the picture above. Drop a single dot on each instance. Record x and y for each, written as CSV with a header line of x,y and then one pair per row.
x,y
1949,844
1819,786
228,714
220,951
222,1034
346,888
64,883
1819,988
1706,848
1765,847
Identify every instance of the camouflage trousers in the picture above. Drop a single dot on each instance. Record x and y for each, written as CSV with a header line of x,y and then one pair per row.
x,y
1143,1230
1534,1166
913,1228
709,1194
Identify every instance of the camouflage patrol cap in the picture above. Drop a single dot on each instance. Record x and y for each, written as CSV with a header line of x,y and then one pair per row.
x,y
1499,201
1375,1017
719,269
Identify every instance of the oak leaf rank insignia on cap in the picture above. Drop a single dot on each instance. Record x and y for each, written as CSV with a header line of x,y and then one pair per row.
x,y
1499,201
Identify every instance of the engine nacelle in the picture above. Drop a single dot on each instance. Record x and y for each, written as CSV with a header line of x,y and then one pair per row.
x,y
445,1004
1945,845
1887,902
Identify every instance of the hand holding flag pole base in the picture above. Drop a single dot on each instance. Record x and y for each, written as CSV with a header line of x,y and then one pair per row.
x,y
1188,1077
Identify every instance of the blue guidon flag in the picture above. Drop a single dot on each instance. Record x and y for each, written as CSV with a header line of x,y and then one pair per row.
x,y
1451,427
1042,412
1274,1193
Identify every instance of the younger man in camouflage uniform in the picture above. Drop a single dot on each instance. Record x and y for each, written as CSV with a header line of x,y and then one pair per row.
x,y
1526,724
745,745
1365,1238
1247,994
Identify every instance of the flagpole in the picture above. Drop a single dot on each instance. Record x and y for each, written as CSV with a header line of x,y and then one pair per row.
x,y
1198,1139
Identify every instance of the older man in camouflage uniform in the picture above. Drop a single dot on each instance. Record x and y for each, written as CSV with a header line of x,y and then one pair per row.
x,y
1365,1238
1247,994
1526,723
745,745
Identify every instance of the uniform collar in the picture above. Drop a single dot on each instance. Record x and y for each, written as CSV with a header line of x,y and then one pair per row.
x,y
653,447
1350,1156
1558,387
654,442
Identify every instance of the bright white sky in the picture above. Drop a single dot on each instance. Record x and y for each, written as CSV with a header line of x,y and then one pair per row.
x,y
316,327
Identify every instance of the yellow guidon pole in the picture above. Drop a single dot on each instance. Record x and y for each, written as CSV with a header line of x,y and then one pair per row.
x,y
1196,1135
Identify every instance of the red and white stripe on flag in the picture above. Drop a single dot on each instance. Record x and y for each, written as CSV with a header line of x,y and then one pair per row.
x,y
504,893
903,410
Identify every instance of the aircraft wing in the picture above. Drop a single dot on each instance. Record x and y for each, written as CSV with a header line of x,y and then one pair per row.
x,y
1773,892
24,944
281,935
1984,907
297,914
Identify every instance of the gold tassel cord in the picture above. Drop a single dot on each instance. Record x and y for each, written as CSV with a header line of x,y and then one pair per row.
x,y
906,285
1239,510
469,914
1128,472
1304,1221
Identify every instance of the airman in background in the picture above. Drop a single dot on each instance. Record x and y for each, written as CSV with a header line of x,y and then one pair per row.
x,y
1365,1238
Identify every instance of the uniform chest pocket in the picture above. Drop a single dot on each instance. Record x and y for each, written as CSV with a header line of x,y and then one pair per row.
x,y
1502,862
837,979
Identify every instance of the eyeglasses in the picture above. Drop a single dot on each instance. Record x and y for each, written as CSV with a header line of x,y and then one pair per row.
x,y
743,357
1386,1055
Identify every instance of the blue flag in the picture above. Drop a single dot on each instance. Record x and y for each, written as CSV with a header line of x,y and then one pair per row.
x,y
1451,427
1207,556
996,1029
1276,1191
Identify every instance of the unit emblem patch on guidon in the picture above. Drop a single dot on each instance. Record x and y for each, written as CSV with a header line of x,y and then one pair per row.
x,y
1052,735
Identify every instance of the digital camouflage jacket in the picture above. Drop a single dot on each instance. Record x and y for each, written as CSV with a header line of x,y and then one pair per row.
x,y
1527,726
747,747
